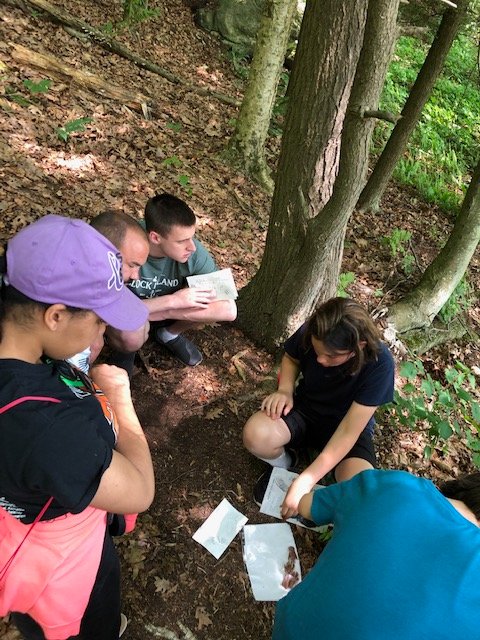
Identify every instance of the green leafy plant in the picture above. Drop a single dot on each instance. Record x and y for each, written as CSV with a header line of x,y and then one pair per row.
x,y
398,242
33,88
174,126
108,28
38,87
458,302
137,10
184,181
172,161
12,95
344,281
441,407
73,126
240,60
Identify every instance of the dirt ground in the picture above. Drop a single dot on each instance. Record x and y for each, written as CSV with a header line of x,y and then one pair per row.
x,y
193,418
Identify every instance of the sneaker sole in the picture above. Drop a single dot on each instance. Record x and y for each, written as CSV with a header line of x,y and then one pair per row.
x,y
123,624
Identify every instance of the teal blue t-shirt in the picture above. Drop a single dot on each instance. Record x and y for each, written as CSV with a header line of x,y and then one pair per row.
x,y
163,276
402,564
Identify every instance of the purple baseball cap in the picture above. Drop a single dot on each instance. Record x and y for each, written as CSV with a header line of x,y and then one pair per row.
x,y
63,260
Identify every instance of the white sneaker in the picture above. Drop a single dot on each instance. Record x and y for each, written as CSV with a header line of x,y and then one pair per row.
x,y
123,624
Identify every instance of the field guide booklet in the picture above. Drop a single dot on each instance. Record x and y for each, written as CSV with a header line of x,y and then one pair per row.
x,y
222,281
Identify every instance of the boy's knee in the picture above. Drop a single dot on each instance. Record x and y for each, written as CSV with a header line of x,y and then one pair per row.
x,y
232,312
127,341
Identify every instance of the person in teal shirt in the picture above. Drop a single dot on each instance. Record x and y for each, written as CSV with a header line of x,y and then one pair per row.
x,y
174,254
403,562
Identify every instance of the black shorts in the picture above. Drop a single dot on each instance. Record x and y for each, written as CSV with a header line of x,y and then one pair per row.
x,y
308,433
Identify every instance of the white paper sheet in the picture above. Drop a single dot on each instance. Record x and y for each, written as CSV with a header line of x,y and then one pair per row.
x,y
278,485
220,528
222,281
271,559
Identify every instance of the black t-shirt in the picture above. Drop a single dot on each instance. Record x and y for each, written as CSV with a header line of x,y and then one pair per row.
x,y
47,448
325,394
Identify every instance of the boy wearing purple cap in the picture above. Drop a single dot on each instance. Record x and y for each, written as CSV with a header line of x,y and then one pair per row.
x,y
71,448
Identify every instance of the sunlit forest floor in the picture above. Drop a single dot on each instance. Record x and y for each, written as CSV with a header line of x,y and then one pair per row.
x,y
193,418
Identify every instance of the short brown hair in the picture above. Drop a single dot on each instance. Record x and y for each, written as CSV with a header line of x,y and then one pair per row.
x,y
342,324
114,225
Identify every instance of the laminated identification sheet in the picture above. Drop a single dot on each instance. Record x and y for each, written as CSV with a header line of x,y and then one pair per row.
x,y
220,528
271,558
280,480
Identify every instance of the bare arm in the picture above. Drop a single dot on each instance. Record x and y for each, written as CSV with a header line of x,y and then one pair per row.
x,y
281,402
128,485
345,436
197,305
169,306
305,505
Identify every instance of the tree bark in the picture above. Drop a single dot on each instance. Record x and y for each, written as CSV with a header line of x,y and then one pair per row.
x,y
323,161
420,306
421,90
246,148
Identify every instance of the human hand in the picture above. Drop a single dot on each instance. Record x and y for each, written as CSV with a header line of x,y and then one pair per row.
x,y
297,490
193,298
114,383
277,404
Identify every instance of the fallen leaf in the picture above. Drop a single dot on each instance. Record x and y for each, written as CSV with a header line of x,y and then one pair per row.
x,y
203,618
162,585
233,406
214,413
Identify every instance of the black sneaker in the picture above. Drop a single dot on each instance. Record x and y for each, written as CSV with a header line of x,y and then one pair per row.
x,y
309,524
183,350
261,484
123,624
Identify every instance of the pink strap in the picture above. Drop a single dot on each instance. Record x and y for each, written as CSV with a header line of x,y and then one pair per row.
x,y
14,403
6,566
8,406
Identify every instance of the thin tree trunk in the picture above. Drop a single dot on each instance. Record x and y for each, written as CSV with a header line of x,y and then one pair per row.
x,y
419,307
311,205
421,90
246,148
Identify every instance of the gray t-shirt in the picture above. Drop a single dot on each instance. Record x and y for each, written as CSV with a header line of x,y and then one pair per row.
x,y
163,276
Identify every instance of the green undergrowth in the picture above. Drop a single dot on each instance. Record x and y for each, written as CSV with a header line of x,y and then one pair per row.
x,y
443,149
438,407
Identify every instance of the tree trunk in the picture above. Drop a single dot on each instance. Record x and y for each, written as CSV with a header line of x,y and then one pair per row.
x,y
421,90
246,148
419,307
317,186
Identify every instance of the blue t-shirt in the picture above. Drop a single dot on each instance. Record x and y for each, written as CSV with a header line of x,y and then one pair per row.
x,y
325,394
402,564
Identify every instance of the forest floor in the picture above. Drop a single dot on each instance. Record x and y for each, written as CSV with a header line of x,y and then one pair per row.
x,y
193,418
